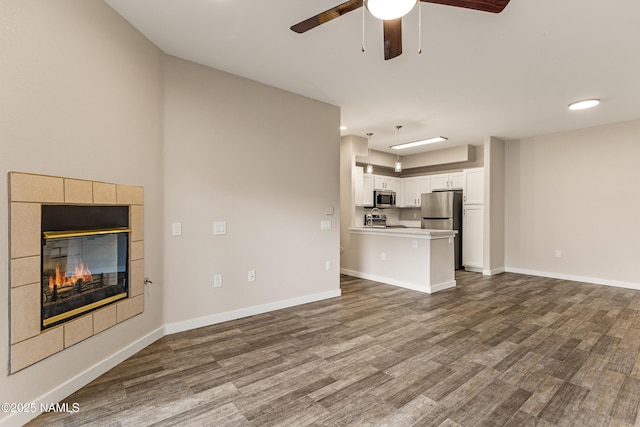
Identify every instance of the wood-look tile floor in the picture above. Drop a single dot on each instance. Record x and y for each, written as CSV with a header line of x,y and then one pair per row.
x,y
506,350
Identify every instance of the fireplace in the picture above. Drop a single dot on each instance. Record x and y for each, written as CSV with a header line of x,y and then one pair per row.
x,y
99,223
85,251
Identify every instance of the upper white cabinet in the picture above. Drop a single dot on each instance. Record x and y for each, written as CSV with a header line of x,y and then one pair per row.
x,y
439,182
457,181
447,181
363,187
413,189
357,175
367,189
385,183
424,185
473,189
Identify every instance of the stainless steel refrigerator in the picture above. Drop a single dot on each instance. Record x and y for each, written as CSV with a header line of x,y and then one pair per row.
x,y
442,210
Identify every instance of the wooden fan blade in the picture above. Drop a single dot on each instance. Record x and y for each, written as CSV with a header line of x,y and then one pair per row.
x,y
493,6
326,16
392,38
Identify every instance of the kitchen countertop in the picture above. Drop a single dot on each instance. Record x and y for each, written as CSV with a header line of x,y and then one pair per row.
x,y
421,233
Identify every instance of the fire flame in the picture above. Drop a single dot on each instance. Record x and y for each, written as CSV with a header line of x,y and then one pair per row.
x,y
62,280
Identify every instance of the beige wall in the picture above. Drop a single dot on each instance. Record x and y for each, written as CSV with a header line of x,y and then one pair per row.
x,y
80,97
576,192
494,229
266,162
351,146
83,97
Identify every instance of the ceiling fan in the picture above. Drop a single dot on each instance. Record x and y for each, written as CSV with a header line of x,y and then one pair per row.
x,y
393,26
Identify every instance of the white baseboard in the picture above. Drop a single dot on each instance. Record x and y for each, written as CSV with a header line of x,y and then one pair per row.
x,y
199,322
444,285
76,383
575,278
493,272
399,283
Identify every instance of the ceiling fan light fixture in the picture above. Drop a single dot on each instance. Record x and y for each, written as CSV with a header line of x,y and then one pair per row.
x,y
584,104
418,143
390,9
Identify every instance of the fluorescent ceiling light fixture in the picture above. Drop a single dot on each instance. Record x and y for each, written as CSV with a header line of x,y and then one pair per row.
x,y
390,9
417,143
584,104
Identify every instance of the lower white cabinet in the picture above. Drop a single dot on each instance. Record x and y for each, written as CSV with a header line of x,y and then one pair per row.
x,y
472,236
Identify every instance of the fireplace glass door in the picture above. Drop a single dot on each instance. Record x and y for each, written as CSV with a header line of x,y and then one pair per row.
x,y
82,271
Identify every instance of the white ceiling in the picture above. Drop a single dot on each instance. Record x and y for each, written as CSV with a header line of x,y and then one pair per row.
x,y
509,75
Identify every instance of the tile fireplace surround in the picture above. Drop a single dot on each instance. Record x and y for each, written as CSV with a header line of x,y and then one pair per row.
x,y
27,194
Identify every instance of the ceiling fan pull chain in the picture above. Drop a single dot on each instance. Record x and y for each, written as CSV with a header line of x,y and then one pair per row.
x,y
363,29
419,28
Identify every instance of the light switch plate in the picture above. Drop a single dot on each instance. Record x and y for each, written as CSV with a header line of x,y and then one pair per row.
x,y
325,224
217,281
176,229
220,228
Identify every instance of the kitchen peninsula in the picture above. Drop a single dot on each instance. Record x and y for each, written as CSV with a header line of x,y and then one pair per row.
x,y
413,258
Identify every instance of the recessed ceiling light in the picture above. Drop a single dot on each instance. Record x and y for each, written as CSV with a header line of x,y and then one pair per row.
x,y
417,143
585,103
343,128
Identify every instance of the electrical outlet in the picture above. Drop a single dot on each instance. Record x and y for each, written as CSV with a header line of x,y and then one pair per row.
x,y
251,277
415,244
217,281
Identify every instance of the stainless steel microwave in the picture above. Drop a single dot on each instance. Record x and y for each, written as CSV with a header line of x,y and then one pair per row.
x,y
384,199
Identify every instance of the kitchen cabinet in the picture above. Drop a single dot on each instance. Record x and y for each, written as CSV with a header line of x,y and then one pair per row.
x,y
413,188
363,187
447,181
356,176
367,190
473,190
456,180
388,183
472,236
